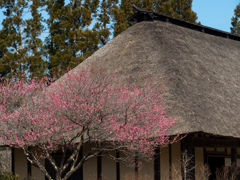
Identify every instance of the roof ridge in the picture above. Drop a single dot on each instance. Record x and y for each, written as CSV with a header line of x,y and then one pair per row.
x,y
151,16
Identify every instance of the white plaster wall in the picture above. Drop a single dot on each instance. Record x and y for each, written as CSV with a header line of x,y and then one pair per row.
x,y
229,151
90,169
238,151
126,172
176,160
108,168
20,163
164,163
36,173
146,170
199,163
220,149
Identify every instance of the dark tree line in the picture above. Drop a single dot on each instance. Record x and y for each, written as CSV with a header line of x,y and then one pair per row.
x,y
235,21
48,37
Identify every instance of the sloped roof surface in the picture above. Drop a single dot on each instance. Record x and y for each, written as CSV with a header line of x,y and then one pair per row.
x,y
201,71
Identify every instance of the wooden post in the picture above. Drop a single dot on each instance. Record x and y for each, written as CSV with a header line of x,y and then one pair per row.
x,y
99,166
170,161
157,164
117,165
136,167
13,160
81,168
29,167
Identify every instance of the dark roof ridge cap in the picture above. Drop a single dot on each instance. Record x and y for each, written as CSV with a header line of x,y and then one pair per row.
x,y
200,25
183,23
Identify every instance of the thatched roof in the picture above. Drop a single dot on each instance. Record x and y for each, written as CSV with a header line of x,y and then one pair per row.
x,y
202,73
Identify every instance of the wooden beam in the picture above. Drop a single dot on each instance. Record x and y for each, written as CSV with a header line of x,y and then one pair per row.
x,y
13,160
157,164
214,142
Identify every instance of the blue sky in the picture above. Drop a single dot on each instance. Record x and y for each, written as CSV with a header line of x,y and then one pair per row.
x,y
215,13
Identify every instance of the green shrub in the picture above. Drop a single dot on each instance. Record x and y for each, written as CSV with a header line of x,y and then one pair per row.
x,y
8,176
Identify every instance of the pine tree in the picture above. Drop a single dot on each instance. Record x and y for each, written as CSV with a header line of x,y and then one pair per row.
x,y
70,40
121,12
235,29
163,7
36,66
103,26
11,40
72,34
19,40
181,9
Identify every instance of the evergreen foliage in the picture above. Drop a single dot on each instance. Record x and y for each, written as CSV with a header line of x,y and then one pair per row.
x,y
48,37
181,9
103,26
19,39
35,64
235,29
70,40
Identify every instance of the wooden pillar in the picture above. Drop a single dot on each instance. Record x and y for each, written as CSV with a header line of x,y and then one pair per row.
x,y
81,168
157,174
13,160
233,156
170,161
205,153
136,167
29,167
99,166
187,159
117,165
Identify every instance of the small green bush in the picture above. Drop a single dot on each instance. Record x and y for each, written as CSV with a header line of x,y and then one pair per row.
x,y
8,176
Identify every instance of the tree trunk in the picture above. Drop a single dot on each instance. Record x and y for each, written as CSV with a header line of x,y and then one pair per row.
x,y
58,177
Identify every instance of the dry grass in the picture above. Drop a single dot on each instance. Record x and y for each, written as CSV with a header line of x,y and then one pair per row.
x,y
228,173
201,171
133,176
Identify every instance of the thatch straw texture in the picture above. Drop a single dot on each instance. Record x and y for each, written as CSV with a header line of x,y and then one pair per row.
x,y
201,72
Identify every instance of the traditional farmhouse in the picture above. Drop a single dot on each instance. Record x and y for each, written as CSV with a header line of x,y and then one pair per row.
x,y
200,66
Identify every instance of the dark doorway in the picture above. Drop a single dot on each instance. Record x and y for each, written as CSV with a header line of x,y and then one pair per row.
x,y
214,164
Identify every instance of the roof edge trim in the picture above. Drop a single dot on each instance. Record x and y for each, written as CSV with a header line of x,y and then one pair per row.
x,y
145,16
